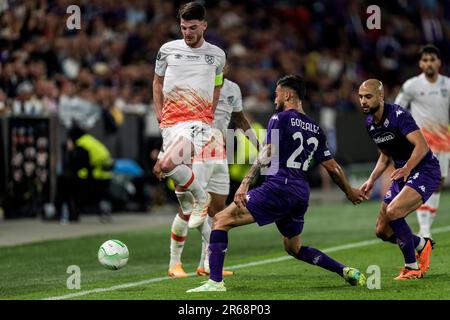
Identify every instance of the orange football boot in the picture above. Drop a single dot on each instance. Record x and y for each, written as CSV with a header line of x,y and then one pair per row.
x,y
177,271
408,274
424,256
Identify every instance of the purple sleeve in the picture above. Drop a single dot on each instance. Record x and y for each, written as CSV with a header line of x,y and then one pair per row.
x,y
273,124
406,123
322,153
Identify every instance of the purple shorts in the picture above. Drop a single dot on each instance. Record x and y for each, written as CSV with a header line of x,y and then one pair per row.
x,y
282,203
424,180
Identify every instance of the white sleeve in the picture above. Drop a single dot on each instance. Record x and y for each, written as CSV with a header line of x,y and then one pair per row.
x,y
237,103
221,65
405,96
161,61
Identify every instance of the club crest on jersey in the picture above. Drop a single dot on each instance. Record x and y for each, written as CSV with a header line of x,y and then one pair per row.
x,y
209,59
386,122
230,99
444,92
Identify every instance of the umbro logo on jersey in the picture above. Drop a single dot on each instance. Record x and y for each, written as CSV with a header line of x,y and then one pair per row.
x,y
398,112
372,128
422,188
274,117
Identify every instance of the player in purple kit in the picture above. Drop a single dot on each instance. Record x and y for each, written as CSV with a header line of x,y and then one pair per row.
x,y
283,197
416,176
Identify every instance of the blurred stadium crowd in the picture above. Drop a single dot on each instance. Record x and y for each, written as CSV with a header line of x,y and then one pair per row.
x,y
110,61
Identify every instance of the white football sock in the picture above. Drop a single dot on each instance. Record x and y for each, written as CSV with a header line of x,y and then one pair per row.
x,y
423,217
412,265
186,201
205,230
178,236
433,203
421,244
183,176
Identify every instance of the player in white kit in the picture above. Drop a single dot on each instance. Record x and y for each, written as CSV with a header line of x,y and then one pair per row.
x,y
186,88
211,170
428,96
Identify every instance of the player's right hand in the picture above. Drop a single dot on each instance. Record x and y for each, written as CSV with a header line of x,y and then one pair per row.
x,y
157,171
240,197
357,196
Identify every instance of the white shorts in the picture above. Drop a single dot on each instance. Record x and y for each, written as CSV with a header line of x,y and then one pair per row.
x,y
213,176
197,132
443,158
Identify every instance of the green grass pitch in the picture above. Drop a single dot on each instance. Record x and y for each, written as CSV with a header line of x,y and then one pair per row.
x,y
38,271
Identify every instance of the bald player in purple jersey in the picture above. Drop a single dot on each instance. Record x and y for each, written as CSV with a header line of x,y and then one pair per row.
x,y
416,176
283,198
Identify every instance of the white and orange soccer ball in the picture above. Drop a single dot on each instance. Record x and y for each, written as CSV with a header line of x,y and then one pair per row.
x,y
113,254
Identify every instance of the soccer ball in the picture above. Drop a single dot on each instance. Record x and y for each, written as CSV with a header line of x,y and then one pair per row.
x,y
113,254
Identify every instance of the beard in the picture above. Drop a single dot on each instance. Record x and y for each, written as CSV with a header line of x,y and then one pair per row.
x,y
279,107
374,110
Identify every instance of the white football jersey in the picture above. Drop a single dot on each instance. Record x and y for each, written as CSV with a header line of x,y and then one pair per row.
x,y
230,101
429,102
189,80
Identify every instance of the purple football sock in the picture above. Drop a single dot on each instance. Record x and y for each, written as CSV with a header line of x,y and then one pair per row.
x,y
318,258
405,239
218,244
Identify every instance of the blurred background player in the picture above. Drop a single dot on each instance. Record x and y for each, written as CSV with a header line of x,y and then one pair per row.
x,y
428,96
415,178
188,73
283,198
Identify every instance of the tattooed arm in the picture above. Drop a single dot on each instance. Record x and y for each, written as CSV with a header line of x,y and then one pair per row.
x,y
263,160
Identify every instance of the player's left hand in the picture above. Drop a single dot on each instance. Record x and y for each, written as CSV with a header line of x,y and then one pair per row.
x,y
240,197
399,173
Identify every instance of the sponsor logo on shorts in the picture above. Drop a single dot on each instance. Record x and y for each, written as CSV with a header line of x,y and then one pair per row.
x,y
388,194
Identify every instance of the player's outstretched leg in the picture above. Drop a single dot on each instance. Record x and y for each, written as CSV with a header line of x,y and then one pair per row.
x,y
218,247
316,257
203,266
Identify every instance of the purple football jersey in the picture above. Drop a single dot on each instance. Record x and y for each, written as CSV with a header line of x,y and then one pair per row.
x,y
300,140
390,134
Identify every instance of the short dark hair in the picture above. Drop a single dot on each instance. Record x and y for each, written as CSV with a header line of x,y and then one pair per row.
x,y
429,49
192,11
294,82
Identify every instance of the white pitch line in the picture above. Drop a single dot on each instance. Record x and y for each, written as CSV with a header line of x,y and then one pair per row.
x,y
238,266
